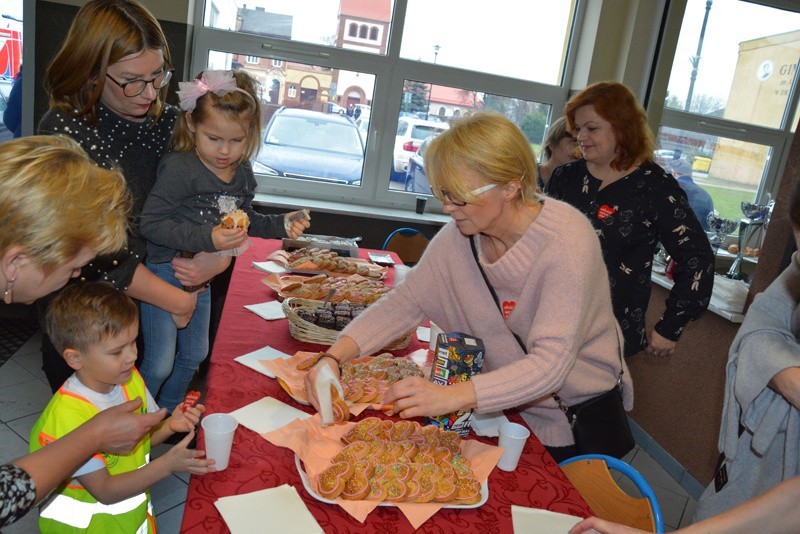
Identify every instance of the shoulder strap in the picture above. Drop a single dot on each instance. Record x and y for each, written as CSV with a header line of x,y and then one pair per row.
x,y
561,404
483,274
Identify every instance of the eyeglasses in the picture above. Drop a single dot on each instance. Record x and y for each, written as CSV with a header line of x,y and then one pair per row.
x,y
137,87
461,203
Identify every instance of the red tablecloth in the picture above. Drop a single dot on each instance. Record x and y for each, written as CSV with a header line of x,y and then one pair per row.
x,y
256,464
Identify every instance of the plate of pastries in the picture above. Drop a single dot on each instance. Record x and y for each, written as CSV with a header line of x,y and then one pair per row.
x,y
355,289
363,380
315,260
398,462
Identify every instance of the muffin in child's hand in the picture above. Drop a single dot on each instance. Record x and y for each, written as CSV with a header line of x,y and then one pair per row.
x,y
235,219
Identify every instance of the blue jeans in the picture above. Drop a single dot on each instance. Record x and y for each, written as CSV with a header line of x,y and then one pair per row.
x,y
171,356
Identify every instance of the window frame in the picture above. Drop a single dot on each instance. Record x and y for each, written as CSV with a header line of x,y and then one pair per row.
x,y
778,139
390,71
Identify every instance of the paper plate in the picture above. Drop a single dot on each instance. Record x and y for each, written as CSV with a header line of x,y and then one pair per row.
x,y
380,258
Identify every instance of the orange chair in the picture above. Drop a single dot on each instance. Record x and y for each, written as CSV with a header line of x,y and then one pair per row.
x,y
590,474
408,243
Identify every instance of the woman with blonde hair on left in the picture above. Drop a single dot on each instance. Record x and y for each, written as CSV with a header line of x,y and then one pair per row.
x,y
57,211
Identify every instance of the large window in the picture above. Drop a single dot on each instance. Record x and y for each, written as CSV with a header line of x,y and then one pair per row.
x,y
371,81
731,104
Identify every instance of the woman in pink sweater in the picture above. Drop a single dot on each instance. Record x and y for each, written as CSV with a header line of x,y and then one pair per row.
x,y
543,259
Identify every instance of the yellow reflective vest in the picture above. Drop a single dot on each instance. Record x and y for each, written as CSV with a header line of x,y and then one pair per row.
x,y
71,507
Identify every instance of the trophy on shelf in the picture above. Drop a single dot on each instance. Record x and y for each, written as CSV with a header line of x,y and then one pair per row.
x,y
720,228
753,223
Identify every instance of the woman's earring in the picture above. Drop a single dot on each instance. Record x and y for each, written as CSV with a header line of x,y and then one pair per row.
x,y
8,294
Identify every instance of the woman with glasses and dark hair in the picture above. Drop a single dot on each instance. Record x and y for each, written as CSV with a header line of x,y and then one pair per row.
x,y
107,87
547,329
633,204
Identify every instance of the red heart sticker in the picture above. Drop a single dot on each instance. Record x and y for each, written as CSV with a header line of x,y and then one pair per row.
x,y
191,399
605,211
508,307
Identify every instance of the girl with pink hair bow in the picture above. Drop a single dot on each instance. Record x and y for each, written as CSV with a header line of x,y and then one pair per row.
x,y
206,177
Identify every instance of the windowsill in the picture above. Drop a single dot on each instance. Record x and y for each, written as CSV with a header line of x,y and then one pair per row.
x,y
664,282
358,210
722,253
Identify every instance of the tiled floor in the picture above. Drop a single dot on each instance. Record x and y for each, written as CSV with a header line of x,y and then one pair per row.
x,y
24,393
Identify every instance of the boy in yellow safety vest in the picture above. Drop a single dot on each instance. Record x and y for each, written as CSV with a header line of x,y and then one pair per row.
x,y
94,327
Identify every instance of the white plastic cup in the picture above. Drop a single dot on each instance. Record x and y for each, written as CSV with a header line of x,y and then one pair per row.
x,y
512,438
435,331
400,272
218,429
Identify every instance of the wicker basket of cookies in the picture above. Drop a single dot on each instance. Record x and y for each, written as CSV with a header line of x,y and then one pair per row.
x,y
315,321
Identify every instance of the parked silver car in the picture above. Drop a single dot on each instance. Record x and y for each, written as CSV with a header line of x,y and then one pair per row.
x,y
309,145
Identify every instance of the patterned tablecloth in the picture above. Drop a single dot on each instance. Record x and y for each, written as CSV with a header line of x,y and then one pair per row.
x,y
256,464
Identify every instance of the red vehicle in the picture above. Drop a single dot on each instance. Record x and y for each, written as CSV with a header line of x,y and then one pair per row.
x,y
10,52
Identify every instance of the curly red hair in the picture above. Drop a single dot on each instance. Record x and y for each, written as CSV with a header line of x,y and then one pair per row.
x,y
618,105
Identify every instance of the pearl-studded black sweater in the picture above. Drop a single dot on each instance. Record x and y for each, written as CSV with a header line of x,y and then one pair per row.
x,y
133,147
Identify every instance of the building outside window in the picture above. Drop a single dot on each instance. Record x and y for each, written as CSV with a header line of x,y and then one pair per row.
x,y
731,106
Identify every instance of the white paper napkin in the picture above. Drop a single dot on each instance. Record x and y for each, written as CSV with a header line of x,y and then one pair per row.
x,y
253,359
424,334
281,508
267,414
536,521
270,267
267,310
488,424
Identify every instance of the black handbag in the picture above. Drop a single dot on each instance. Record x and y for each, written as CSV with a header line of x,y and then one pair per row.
x,y
600,424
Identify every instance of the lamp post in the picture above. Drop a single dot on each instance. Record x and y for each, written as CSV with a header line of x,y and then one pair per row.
x,y
436,48
695,59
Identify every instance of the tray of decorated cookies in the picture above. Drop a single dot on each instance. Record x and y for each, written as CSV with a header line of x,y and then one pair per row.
x,y
316,260
354,289
396,462
363,380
